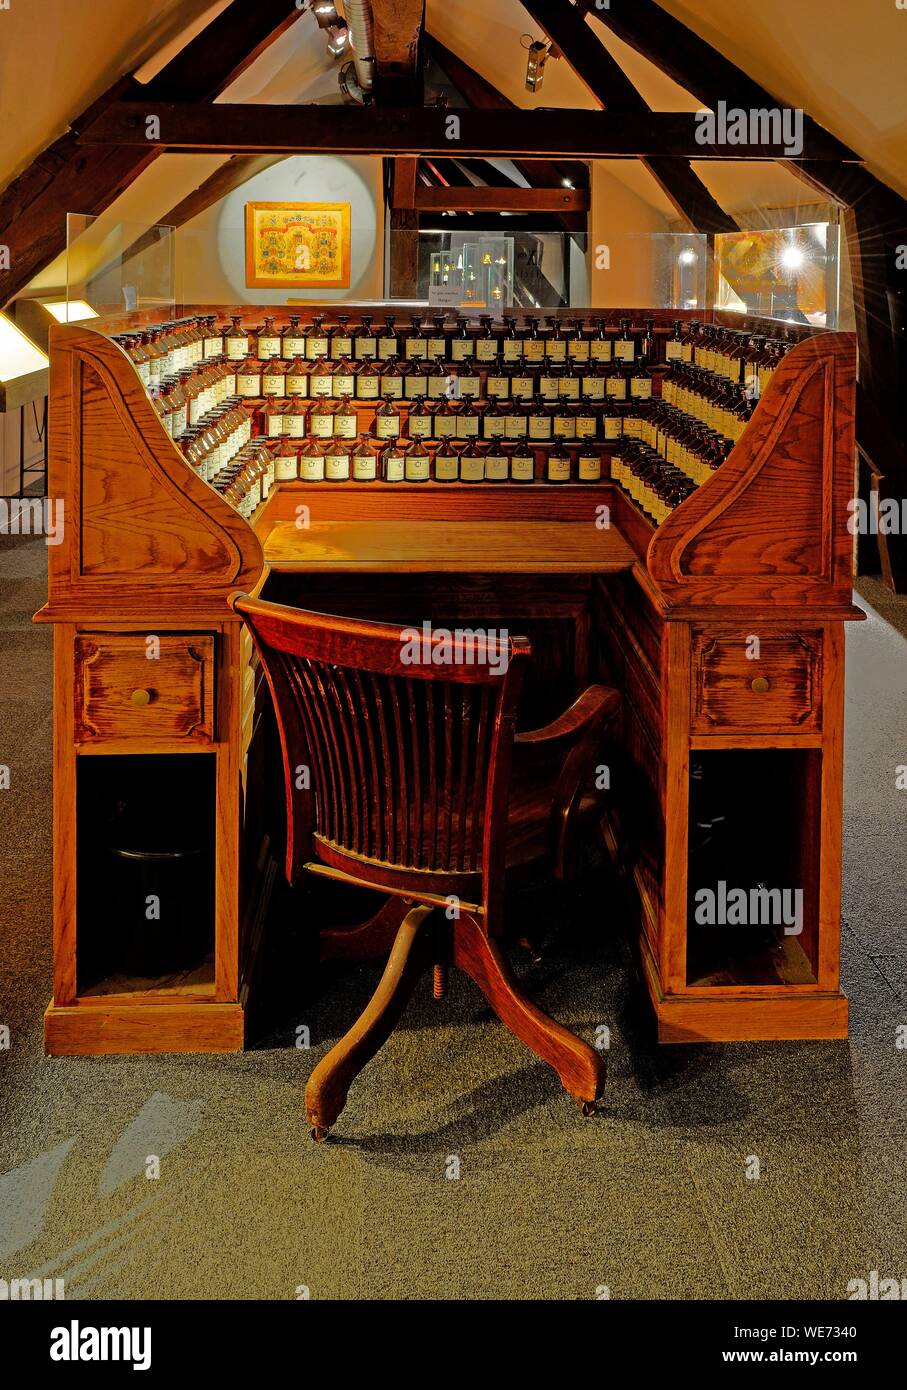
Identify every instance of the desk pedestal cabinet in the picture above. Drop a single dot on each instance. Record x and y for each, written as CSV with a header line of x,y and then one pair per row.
x,y
723,628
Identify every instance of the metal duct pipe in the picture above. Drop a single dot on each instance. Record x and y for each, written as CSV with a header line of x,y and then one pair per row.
x,y
359,18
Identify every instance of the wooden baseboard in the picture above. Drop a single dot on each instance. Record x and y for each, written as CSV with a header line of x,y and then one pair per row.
x,y
778,1016
83,1030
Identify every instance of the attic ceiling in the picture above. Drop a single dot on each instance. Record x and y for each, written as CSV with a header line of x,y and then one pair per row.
x,y
836,70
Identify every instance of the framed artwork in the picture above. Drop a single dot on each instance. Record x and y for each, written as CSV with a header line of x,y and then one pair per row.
x,y
297,245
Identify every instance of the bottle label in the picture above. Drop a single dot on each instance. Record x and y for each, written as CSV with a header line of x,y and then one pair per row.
x,y
322,384
486,349
470,385
539,426
467,426
297,385
269,347
558,470
436,347
472,470
556,349
237,348
286,467
419,427
445,468
517,426
416,347
417,469
548,385
311,468
673,350
273,385
367,388
600,349
346,426
394,468
617,387
294,425
578,349
496,468
564,427
498,387
248,384
585,426
392,386
494,426
323,426
534,349
445,426
613,426
387,347
437,386
213,347
513,349
415,386
387,426
366,347
342,347
344,385
641,388
625,350
522,468
274,424
364,469
462,348
316,347
337,467
293,347
590,468
521,387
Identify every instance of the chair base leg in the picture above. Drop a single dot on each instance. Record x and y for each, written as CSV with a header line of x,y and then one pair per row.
x,y
413,953
581,1069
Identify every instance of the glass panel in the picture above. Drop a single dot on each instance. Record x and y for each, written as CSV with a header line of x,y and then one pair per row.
x,y
114,267
788,273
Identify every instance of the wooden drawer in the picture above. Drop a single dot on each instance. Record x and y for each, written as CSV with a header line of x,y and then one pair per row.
x,y
122,693
779,691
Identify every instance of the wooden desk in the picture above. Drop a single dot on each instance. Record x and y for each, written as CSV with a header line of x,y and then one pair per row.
x,y
391,545
723,629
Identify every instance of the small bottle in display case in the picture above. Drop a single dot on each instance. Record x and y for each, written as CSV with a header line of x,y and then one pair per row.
x,y
558,466
393,461
472,463
312,461
337,461
365,460
387,419
418,463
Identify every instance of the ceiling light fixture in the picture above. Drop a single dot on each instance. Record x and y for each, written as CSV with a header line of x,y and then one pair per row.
x,y
538,51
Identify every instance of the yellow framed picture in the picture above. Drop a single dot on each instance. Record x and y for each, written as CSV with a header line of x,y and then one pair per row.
x,y
295,245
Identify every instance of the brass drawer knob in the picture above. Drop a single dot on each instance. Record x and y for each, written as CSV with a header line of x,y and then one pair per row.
x,y
141,697
760,685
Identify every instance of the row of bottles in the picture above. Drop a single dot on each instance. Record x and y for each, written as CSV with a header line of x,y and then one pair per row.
x,y
309,354
654,484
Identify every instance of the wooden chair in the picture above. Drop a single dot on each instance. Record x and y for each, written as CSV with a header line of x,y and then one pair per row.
x,y
419,786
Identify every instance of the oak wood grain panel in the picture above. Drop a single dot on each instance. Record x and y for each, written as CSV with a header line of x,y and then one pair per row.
x,y
519,547
723,679
110,668
96,1027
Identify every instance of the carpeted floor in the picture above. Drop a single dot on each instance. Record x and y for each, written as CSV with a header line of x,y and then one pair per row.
x,y
650,1198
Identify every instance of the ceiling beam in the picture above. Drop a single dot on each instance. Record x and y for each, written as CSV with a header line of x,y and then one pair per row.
x,y
397,26
513,199
608,83
198,127
69,175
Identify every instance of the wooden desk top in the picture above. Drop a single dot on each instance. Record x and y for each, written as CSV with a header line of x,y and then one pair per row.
x,y
466,547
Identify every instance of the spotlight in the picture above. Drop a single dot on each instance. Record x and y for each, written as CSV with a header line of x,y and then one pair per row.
x,y
325,12
792,258
535,64
338,39
567,183
687,256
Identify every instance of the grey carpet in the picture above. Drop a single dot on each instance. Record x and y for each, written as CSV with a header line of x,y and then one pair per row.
x,y
650,1198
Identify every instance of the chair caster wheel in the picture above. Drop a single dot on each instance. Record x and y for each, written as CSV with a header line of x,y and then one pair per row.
x,y
588,1107
320,1133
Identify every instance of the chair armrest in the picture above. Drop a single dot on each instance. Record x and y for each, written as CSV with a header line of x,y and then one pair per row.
x,y
578,736
593,709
